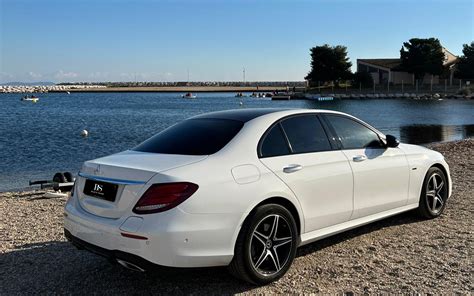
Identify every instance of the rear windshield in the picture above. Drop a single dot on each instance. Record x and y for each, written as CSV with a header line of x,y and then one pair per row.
x,y
201,136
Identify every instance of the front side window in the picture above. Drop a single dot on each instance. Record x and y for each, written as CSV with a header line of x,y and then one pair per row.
x,y
354,135
203,136
305,134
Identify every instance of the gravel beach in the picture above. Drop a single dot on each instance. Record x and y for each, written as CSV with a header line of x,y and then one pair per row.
x,y
401,254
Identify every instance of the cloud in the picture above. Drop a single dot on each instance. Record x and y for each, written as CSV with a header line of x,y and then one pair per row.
x,y
5,77
149,76
98,75
65,75
135,76
70,76
33,75
126,76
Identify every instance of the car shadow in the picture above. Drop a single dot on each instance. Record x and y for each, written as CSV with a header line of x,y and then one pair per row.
x,y
57,266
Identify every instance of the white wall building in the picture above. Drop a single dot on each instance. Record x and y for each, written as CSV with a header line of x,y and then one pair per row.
x,y
389,70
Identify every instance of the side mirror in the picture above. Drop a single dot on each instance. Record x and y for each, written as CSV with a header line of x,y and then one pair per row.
x,y
392,141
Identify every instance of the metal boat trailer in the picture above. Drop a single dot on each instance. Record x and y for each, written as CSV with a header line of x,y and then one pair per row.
x,y
60,182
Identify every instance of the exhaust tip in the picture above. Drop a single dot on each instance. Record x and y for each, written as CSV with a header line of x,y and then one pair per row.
x,y
130,266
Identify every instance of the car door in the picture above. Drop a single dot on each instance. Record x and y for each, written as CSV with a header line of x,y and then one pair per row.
x,y
381,174
299,152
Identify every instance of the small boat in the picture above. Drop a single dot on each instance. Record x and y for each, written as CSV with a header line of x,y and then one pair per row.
x,y
239,95
258,95
33,99
268,95
189,96
68,92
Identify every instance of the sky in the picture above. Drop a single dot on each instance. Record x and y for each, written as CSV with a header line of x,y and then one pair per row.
x,y
146,40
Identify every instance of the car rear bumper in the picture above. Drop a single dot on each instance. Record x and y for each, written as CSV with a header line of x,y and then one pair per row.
x,y
126,259
173,238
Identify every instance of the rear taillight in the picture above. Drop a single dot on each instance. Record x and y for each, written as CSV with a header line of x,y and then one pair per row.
x,y
162,197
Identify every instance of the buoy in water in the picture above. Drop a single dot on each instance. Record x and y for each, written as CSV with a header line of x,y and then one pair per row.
x,y
84,133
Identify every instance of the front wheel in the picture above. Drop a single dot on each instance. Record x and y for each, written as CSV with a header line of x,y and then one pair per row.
x,y
434,194
266,245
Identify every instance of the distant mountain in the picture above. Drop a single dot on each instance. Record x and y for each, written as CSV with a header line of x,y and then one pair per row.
x,y
17,83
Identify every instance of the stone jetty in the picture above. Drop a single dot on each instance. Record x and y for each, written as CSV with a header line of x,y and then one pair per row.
x,y
44,88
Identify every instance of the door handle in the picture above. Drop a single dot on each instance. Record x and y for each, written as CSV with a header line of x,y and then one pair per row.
x,y
359,158
291,168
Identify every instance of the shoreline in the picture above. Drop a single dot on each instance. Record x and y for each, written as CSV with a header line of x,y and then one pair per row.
x,y
185,89
297,93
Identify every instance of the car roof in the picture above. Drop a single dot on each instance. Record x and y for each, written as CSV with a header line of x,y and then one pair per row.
x,y
245,115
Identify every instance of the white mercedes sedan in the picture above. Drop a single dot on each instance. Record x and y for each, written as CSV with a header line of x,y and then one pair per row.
x,y
244,188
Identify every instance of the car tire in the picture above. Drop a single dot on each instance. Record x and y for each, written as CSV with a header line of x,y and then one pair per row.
x,y
261,254
68,176
59,178
434,194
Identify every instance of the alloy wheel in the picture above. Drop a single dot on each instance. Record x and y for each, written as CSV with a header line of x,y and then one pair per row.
x,y
435,193
271,244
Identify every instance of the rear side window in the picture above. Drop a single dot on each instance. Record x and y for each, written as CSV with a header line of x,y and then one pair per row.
x,y
274,143
354,135
305,134
193,137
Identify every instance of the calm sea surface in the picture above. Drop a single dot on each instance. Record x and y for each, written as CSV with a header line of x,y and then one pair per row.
x,y
37,140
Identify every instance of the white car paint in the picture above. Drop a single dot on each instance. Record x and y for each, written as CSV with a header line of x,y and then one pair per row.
x,y
324,186
331,193
380,181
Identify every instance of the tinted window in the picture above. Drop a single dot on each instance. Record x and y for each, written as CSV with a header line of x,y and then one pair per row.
x,y
193,137
306,134
354,135
274,143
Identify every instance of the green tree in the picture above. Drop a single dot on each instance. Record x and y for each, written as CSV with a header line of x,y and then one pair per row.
x,y
329,63
465,65
363,79
421,56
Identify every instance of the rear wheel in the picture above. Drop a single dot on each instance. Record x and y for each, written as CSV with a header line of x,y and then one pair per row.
x,y
266,245
434,194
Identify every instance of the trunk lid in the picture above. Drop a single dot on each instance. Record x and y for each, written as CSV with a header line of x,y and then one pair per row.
x,y
128,172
